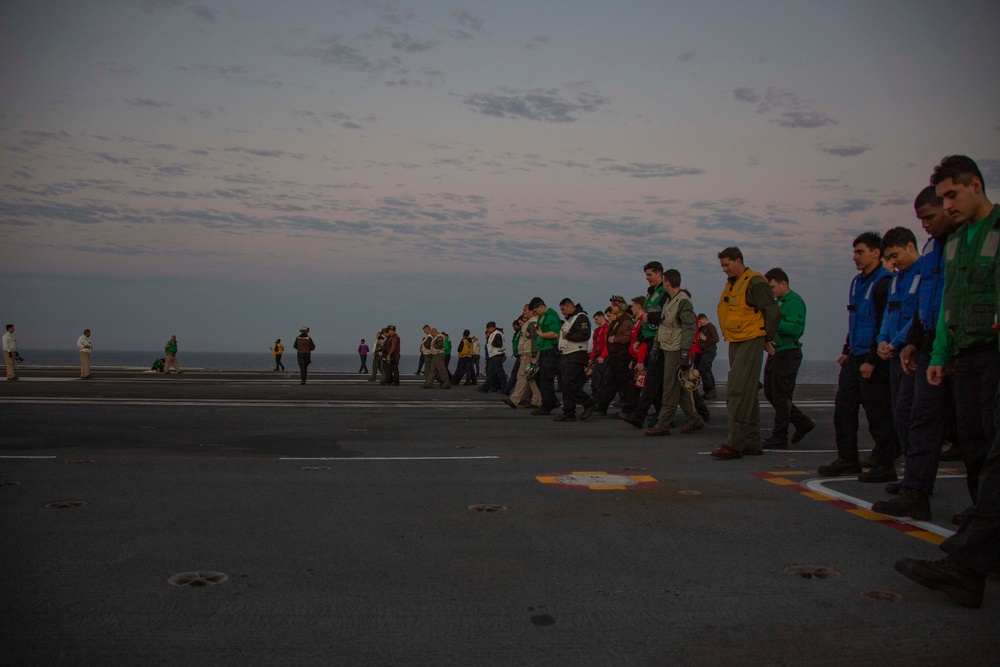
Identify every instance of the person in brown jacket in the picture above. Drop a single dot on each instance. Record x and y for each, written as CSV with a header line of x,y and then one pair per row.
x,y
708,337
304,346
617,376
390,357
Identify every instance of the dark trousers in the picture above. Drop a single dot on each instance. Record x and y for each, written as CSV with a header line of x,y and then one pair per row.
x,y
277,362
364,364
926,427
447,363
421,363
976,376
901,389
853,393
617,380
304,361
512,380
977,542
465,371
391,371
652,394
780,372
707,358
574,377
548,365
496,376
597,373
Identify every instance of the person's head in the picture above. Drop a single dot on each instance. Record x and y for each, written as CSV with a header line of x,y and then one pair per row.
x,y
702,319
931,213
960,185
867,251
392,329
599,317
362,341
491,327
537,306
279,340
10,327
618,304
433,331
445,334
778,280
637,306
465,334
672,277
86,332
516,324
526,312
899,246
654,273
731,261
567,307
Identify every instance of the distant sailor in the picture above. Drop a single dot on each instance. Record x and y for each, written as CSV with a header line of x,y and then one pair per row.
x,y
83,346
10,352
170,349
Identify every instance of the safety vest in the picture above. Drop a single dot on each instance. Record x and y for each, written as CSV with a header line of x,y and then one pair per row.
x,y
670,330
738,320
902,303
970,297
931,284
567,346
861,309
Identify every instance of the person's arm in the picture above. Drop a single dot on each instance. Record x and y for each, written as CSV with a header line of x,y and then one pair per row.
x,y
881,299
688,322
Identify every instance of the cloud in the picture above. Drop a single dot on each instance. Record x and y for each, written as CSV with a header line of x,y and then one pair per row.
x,y
847,151
746,95
535,41
845,207
806,119
404,41
686,57
260,152
146,102
548,105
895,201
333,52
204,13
990,169
651,170
467,19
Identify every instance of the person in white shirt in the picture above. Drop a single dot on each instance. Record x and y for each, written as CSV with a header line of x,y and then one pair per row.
x,y
10,351
83,346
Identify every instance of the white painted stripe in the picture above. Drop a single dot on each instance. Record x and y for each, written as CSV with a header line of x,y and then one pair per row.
x,y
385,458
818,485
28,457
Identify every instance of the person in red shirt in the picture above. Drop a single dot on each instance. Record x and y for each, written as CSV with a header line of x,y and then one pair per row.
x,y
638,349
598,347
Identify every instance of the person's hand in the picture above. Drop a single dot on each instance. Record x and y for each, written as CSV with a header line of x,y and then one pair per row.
x,y
769,348
600,360
935,375
908,358
640,366
841,359
885,350
867,370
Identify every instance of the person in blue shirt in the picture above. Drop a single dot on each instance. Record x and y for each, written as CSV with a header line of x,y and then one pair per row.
x,y
921,424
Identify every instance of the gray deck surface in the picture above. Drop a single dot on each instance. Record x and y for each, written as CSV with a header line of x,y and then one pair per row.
x,y
340,512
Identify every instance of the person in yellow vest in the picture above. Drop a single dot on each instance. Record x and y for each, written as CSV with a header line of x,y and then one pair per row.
x,y
276,352
748,318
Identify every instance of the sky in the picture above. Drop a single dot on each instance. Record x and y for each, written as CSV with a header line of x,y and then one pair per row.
x,y
228,171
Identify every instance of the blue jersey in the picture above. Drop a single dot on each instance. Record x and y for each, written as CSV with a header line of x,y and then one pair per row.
x,y
931,284
902,304
861,306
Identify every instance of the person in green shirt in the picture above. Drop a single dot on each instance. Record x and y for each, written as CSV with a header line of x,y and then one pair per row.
x,y
967,324
547,343
784,357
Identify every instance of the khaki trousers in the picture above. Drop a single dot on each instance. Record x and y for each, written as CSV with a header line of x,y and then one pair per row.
x,y
171,360
742,404
674,393
9,361
436,371
85,364
523,386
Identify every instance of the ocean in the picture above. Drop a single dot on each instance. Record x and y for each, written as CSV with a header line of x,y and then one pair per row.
x,y
812,372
